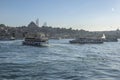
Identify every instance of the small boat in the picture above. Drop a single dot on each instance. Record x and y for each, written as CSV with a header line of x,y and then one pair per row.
x,y
109,39
87,41
103,37
12,38
7,39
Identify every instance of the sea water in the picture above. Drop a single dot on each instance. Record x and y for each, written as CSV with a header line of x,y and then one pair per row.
x,y
59,61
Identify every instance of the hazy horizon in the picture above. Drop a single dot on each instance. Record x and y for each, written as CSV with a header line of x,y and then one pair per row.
x,y
92,15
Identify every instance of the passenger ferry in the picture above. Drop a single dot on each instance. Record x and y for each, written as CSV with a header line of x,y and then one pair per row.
x,y
36,41
94,40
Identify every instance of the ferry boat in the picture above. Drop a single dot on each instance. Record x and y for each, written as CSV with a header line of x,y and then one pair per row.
x,y
87,41
36,41
94,40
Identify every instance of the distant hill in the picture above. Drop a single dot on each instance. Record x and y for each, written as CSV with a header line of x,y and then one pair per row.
x,y
20,32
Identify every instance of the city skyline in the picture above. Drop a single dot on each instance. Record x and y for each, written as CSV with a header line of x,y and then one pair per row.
x,y
92,15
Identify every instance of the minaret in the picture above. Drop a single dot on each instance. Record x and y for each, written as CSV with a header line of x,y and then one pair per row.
x,y
37,22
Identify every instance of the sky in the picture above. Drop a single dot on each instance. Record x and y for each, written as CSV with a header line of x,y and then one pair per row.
x,y
92,15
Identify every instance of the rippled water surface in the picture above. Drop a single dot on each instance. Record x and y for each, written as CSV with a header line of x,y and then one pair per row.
x,y
59,61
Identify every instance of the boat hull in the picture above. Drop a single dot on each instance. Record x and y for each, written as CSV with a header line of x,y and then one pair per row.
x,y
75,42
87,41
39,44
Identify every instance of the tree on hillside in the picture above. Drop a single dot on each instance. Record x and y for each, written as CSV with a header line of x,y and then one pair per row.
x,y
2,25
